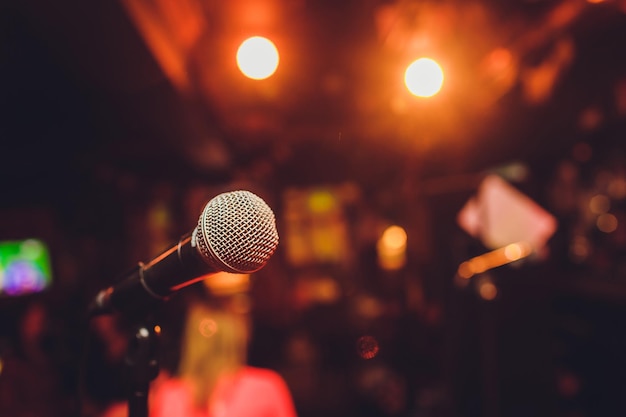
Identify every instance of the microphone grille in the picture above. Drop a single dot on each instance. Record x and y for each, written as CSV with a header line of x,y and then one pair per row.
x,y
237,232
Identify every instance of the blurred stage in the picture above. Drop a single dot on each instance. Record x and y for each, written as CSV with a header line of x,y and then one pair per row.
x,y
122,119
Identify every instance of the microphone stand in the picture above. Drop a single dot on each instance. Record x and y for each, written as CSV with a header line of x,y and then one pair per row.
x,y
141,359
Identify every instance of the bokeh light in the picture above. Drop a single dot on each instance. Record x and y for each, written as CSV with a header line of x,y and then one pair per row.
x,y
257,58
516,251
367,347
607,223
493,259
391,248
394,238
487,290
599,204
424,77
207,327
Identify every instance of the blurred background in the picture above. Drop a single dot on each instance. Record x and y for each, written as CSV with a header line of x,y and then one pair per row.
x,y
452,243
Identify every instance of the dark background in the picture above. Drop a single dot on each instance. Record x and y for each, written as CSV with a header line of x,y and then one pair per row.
x,y
97,138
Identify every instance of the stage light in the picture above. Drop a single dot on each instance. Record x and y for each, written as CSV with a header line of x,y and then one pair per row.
x,y
394,239
493,259
391,248
424,77
517,251
257,58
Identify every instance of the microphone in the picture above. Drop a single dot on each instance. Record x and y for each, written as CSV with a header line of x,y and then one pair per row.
x,y
236,233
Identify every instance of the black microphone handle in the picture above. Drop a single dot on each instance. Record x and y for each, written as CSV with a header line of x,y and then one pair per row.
x,y
146,285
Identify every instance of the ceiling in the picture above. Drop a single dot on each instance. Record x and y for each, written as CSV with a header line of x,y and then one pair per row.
x,y
145,87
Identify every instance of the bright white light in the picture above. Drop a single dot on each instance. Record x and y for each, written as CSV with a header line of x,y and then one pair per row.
x,y
423,77
257,58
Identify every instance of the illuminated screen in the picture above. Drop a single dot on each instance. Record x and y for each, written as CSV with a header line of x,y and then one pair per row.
x,y
25,267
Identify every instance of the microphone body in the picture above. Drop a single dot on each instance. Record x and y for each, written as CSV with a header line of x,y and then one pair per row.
x,y
144,286
236,233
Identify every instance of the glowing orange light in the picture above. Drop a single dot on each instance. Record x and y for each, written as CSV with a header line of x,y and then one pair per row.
x,y
516,251
480,264
465,270
223,283
391,248
257,58
487,290
424,77
497,257
394,238
500,59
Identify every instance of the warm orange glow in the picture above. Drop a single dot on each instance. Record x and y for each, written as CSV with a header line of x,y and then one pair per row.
x,y
368,307
424,77
257,58
516,251
394,238
617,188
480,264
487,290
493,259
607,223
253,13
224,283
599,204
170,29
465,270
207,327
391,248
499,60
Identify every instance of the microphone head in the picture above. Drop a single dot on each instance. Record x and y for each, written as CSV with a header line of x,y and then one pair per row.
x,y
236,232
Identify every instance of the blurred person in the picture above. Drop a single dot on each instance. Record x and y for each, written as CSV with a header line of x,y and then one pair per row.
x,y
212,377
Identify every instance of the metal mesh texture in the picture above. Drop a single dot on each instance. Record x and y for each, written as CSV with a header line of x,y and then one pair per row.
x,y
237,232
